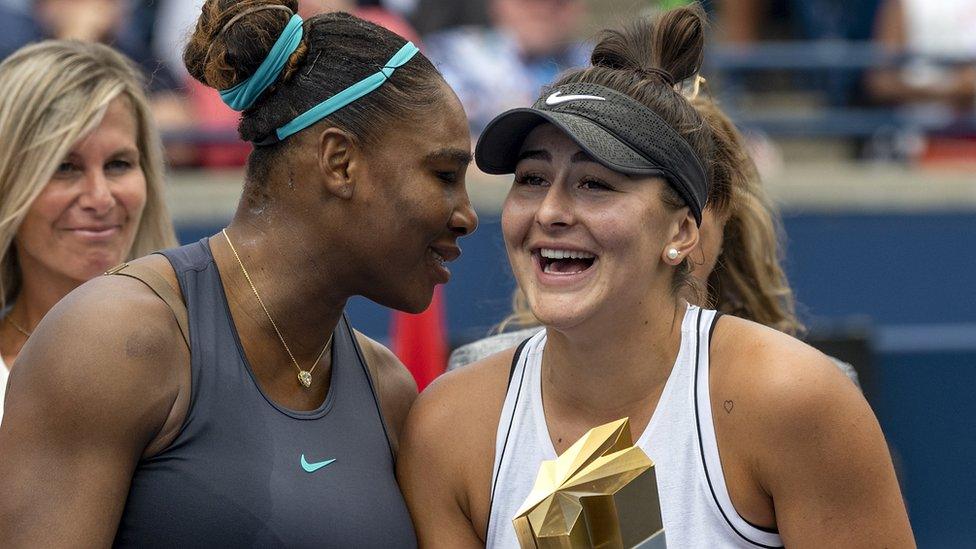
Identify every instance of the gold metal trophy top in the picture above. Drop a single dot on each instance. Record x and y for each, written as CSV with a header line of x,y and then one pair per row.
x,y
601,492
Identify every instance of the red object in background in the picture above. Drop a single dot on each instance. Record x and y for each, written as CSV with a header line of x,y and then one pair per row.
x,y
420,341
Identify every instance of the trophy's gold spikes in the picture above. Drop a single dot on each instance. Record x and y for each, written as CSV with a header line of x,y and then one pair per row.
x,y
601,492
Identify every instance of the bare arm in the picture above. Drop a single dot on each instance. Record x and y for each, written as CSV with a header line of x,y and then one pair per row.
x,y
448,450
91,390
394,385
823,457
430,478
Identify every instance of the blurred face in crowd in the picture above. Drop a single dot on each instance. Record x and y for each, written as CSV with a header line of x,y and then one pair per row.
x,y
85,20
311,8
85,220
539,26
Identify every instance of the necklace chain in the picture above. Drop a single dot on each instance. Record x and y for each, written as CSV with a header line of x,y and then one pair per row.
x,y
304,376
18,327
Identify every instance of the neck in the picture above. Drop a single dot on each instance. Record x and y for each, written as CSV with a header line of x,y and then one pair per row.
x,y
38,294
301,290
613,366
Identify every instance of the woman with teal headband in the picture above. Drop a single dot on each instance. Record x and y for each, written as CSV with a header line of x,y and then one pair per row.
x,y
228,402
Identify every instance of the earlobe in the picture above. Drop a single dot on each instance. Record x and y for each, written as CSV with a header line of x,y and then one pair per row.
x,y
336,157
684,241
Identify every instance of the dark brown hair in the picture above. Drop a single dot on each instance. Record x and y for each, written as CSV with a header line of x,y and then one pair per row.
x,y
337,50
645,61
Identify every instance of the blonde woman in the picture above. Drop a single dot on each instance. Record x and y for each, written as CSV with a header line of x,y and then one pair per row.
x,y
81,177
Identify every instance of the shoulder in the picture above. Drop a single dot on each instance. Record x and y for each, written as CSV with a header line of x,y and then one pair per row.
x,y
789,394
449,440
393,383
392,377
780,371
802,435
460,409
106,355
122,315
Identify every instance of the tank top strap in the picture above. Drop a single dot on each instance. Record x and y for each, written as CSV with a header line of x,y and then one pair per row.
x,y
358,386
708,443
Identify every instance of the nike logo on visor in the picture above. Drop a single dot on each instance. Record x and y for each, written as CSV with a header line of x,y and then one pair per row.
x,y
312,467
558,98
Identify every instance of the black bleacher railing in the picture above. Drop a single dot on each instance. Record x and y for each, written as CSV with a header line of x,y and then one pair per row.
x,y
739,73
827,64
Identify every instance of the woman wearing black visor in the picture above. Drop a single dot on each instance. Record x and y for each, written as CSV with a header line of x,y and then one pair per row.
x,y
758,440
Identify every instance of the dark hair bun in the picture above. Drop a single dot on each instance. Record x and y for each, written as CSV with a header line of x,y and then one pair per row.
x,y
674,43
223,57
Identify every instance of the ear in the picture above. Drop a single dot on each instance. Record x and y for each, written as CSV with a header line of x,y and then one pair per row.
x,y
337,156
684,239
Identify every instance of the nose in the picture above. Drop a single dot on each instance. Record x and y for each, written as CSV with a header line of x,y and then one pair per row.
x,y
556,208
96,195
464,220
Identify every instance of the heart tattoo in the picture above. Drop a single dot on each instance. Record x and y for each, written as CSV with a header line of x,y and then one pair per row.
x,y
728,406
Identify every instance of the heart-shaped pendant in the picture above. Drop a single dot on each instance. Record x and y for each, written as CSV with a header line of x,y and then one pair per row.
x,y
305,378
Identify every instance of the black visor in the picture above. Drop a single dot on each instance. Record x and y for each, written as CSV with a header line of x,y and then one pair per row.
x,y
614,129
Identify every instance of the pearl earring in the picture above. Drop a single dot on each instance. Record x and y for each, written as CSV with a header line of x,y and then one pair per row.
x,y
673,253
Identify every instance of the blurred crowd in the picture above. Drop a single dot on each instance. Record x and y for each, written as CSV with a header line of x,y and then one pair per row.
x,y
498,53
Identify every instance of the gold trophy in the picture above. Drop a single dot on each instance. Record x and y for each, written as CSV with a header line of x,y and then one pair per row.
x,y
602,492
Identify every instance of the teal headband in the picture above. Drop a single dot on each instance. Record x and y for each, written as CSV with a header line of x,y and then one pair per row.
x,y
345,97
245,94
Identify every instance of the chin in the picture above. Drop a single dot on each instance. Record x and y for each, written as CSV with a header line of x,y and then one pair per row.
x,y
413,302
561,314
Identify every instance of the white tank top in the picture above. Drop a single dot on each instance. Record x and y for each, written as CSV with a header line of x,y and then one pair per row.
x,y
3,385
680,439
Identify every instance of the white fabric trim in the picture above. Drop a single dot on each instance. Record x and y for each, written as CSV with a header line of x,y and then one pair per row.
x,y
712,460
4,374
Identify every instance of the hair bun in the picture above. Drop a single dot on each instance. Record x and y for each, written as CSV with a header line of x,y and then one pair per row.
x,y
233,37
672,46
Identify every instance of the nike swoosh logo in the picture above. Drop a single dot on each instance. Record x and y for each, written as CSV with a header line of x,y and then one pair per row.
x,y
312,467
558,97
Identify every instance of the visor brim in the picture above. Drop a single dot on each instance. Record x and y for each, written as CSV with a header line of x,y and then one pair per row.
x,y
498,147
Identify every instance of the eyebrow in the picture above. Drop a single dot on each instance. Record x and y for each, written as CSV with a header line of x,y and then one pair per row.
x,y
134,151
538,154
535,154
459,156
582,156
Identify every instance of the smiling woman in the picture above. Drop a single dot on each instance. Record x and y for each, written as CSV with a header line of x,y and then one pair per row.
x,y
80,179
241,409
757,439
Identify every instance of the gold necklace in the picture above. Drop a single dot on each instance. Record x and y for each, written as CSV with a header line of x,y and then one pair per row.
x,y
18,327
304,376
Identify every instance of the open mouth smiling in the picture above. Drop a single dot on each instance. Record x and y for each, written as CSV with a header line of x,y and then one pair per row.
x,y
563,262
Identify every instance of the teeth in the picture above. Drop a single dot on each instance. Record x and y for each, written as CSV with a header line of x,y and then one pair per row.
x,y
438,257
550,253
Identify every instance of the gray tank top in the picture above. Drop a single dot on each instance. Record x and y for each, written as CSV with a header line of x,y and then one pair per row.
x,y
246,472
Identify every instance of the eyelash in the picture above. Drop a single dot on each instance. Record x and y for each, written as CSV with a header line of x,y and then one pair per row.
x,y
599,185
67,167
529,179
447,177
533,180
